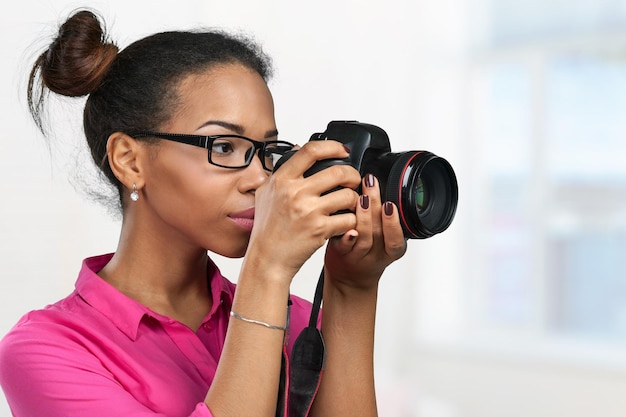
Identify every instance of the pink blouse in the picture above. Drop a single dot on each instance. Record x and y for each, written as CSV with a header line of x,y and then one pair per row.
x,y
100,353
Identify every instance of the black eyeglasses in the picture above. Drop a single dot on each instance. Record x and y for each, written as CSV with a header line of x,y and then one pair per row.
x,y
229,151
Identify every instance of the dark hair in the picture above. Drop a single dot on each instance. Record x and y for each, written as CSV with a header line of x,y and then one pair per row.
x,y
134,89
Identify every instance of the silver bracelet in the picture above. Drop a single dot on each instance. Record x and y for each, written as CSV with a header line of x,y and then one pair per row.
x,y
260,323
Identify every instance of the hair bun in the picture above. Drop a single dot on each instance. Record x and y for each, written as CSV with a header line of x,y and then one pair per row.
x,y
79,58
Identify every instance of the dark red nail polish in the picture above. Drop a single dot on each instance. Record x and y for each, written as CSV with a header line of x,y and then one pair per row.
x,y
365,202
388,208
369,180
346,148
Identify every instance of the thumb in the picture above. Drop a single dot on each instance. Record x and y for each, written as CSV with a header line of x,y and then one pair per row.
x,y
344,244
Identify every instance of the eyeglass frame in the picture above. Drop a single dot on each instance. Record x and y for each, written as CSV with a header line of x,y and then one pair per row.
x,y
207,141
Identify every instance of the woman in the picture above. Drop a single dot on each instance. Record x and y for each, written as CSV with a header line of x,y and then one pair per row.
x,y
182,124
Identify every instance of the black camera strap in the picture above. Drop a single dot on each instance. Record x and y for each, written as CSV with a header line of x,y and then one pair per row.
x,y
307,364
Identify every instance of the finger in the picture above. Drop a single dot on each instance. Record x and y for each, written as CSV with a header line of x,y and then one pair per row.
x,y
395,242
364,225
310,153
333,177
369,224
343,199
370,186
343,244
340,224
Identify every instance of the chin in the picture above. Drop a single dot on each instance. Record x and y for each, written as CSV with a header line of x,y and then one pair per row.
x,y
234,255
233,252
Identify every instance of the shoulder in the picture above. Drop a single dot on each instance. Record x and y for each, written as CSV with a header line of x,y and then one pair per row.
x,y
49,333
38,339
37,329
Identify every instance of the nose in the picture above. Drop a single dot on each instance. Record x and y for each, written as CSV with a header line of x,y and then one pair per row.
x,y
253,176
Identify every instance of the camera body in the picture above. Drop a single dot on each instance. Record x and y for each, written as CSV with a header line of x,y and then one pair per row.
x,y
422,185
365,142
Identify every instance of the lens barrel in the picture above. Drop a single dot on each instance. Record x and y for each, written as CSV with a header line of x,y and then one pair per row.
x,y
424,188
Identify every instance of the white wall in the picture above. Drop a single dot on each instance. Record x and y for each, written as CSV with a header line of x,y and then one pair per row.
x,y
402,65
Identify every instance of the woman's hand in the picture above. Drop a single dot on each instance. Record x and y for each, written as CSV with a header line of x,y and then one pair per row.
x,y
358,258
293,219
354,263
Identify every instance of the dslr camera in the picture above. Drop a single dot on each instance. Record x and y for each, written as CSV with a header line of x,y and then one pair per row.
x,y
422,185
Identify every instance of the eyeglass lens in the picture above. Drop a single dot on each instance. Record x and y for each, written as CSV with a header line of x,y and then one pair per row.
x,y
273,152
238,152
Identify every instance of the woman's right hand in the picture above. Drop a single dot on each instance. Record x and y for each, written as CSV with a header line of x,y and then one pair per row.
x,y
292,217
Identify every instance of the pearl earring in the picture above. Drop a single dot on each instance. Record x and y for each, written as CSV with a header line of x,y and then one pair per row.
x,y
134,195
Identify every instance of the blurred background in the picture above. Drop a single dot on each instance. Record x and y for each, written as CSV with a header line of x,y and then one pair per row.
x,y
517,310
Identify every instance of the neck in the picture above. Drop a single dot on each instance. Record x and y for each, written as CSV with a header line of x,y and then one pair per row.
x,y
169,280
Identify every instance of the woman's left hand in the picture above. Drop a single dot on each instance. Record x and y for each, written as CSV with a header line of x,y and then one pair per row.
x,y
358,258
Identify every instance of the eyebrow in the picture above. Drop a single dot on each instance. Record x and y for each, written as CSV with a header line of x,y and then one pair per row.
x,y
238,129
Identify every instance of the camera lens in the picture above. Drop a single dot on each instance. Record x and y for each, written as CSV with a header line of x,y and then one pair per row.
x,y
424,188
421,195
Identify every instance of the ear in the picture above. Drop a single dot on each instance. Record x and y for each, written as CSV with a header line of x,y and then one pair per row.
x,y
126,156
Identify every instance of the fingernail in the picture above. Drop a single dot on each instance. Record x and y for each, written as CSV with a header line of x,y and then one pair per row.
x,y
388,208
369,180
346,148
365,202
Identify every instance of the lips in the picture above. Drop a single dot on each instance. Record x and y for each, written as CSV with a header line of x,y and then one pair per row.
x,y
244,218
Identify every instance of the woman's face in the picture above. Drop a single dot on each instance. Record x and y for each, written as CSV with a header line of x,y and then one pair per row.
x,y
191,202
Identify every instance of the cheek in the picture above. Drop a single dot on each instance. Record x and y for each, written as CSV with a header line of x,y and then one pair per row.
x,y
181,190
197,210
179,177
189,199
191,202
